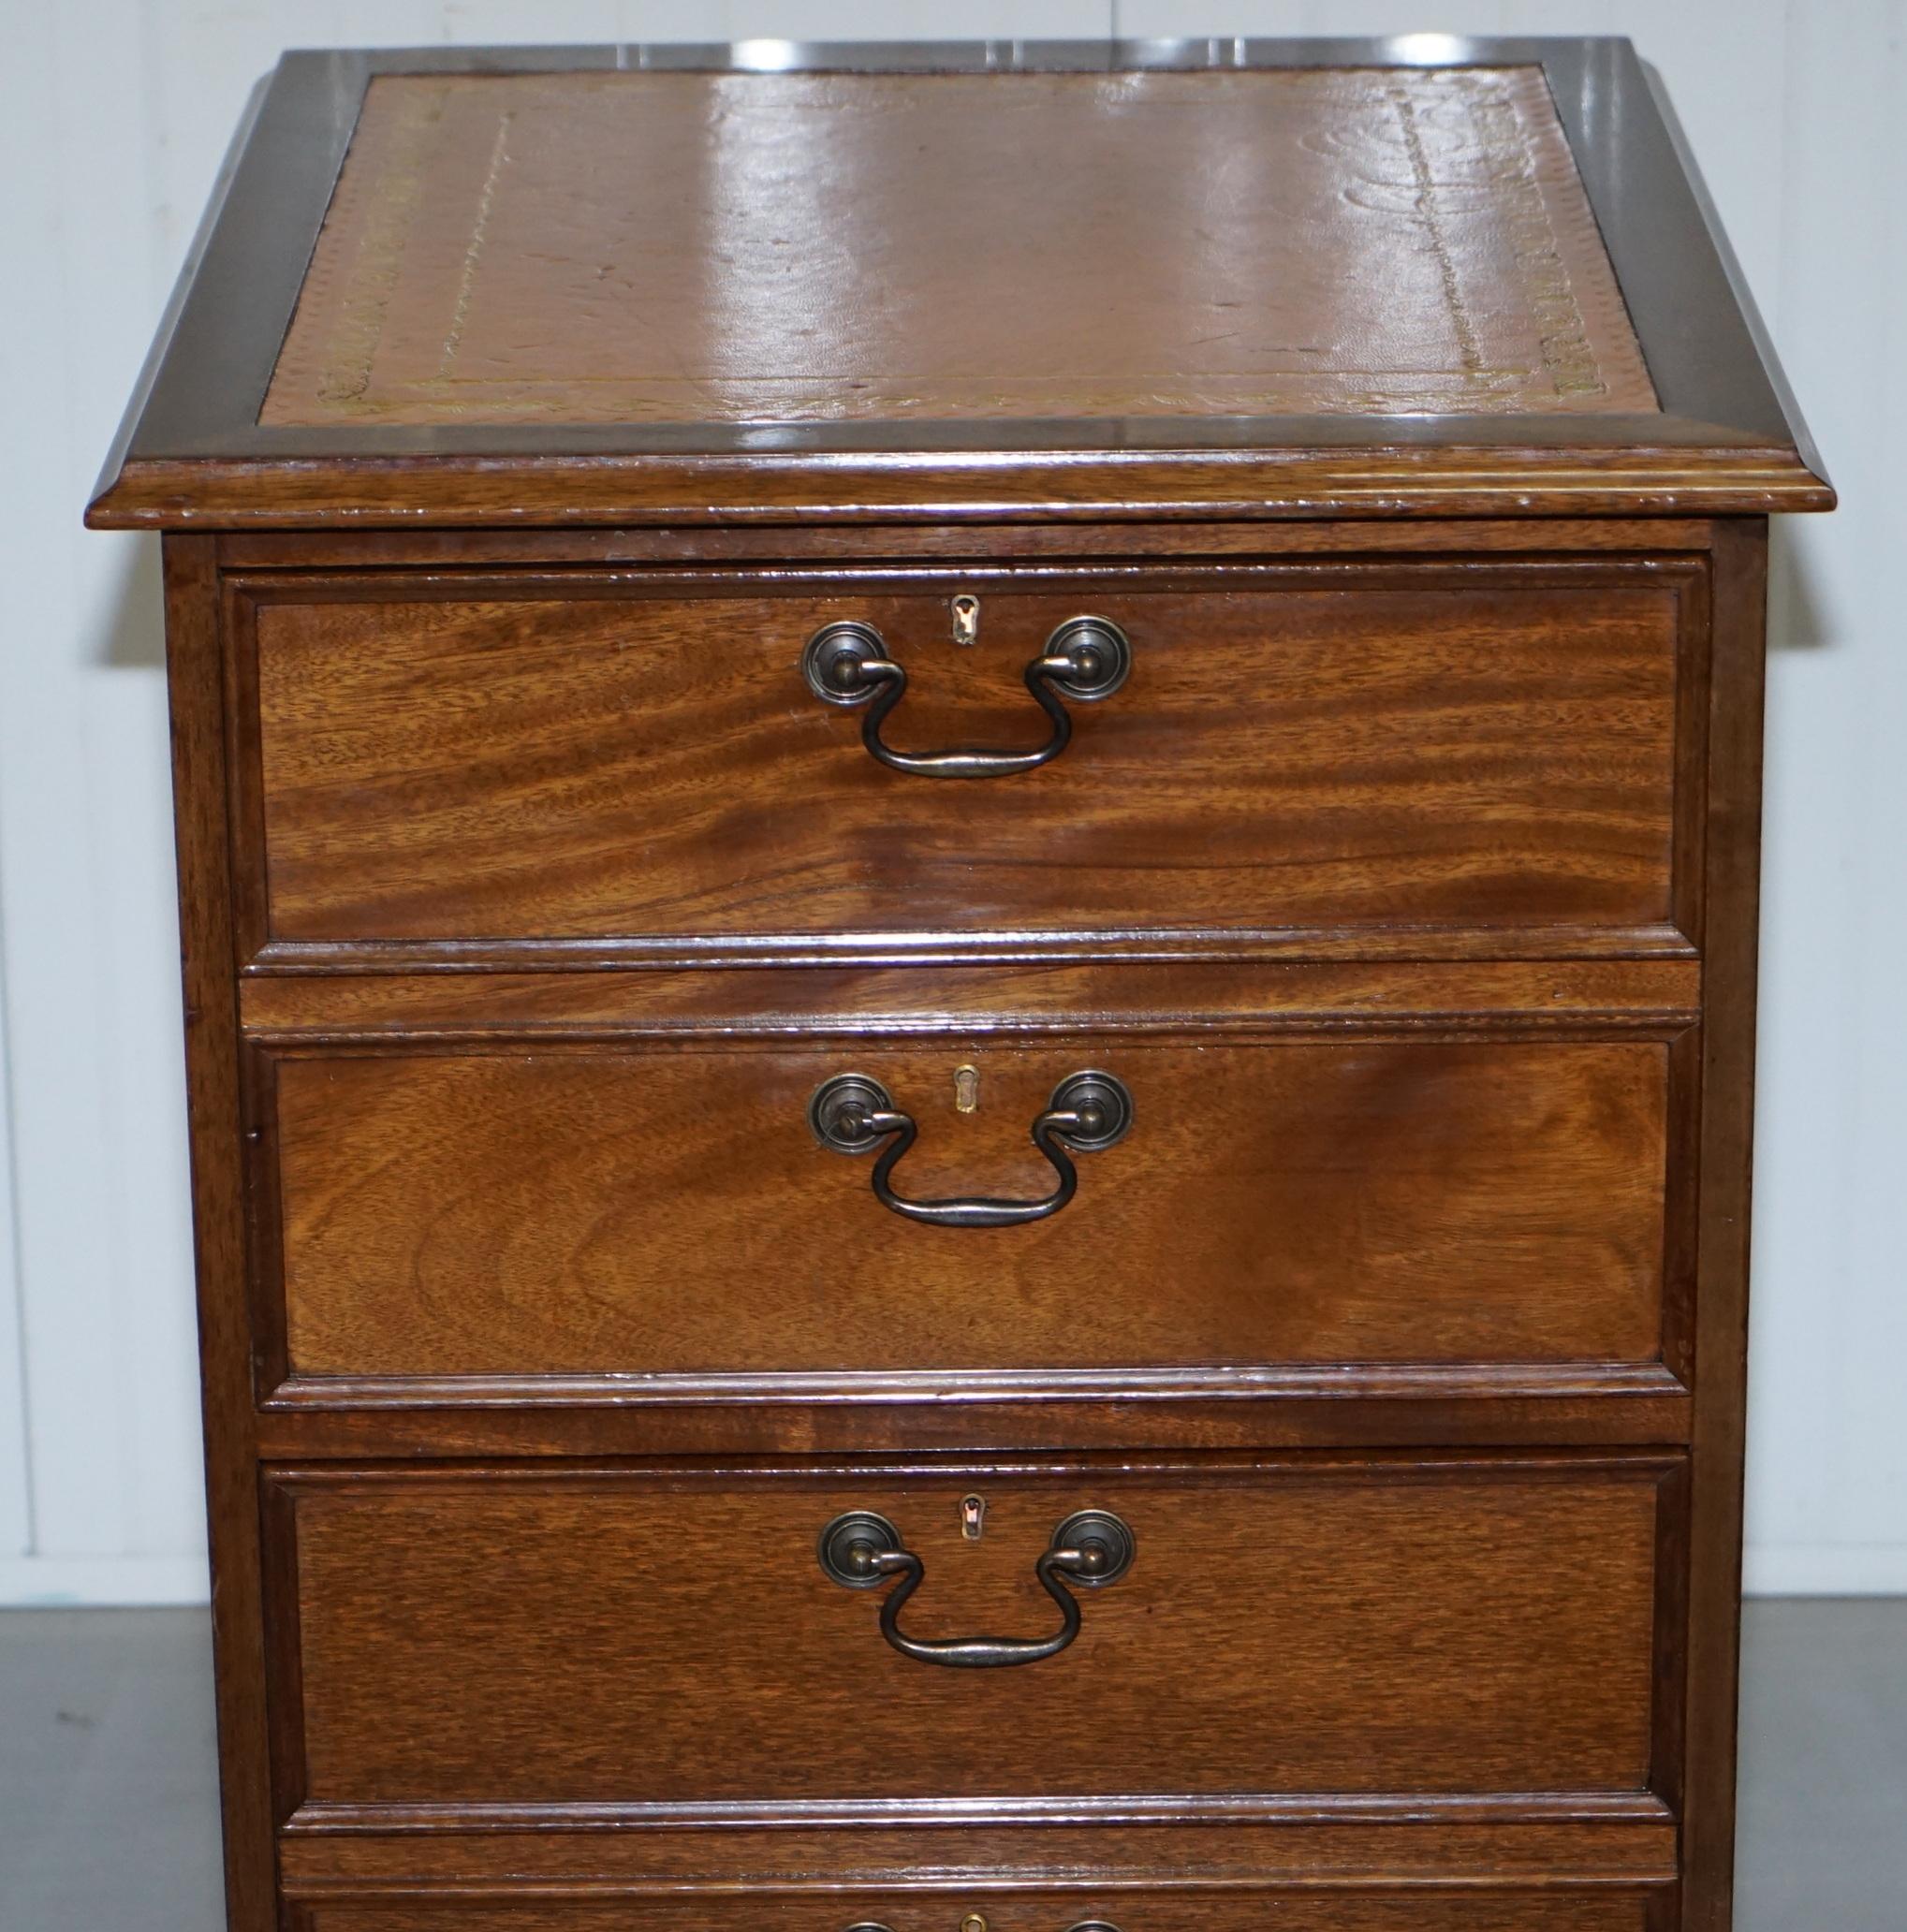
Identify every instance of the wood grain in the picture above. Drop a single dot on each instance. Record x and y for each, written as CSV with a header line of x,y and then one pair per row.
x,y
1733,863
243,552
1650,473
220,1251
501,1637
1013,1912
1262,1001
1660,940
407,1417
511,758
1445,1846
641,1212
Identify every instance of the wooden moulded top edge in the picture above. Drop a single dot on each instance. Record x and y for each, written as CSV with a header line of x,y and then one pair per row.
x,y
193,453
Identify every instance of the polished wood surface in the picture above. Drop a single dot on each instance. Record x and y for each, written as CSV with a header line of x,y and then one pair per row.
x,y
221,1251
197,451
1265,999
1434,992
1057,1912
527,892
1726,1157
1295,746
1658,469
671,1211
1429,248
1662,538
543,1638
1422,1407
1474,1850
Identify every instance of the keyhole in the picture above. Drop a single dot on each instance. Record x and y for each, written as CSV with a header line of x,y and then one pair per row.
x,y
966,1090
966,617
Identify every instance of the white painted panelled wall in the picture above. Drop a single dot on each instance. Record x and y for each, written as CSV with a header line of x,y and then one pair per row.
x,y
118,113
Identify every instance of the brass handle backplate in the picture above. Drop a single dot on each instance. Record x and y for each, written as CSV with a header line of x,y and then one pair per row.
x,y
1091,1549
852,1114
1086,659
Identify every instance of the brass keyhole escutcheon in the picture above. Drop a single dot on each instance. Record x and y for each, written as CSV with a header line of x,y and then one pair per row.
x,y
966,1090
966,629
973,1922
972,1518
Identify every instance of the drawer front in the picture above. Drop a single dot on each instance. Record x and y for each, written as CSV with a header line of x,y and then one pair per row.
x,y
668,1211
540,1637
848,1911
498,759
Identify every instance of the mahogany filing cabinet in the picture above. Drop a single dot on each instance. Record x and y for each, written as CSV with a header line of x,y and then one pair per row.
x,y
968,846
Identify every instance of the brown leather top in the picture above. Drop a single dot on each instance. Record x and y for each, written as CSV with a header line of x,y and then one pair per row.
x,y
615,247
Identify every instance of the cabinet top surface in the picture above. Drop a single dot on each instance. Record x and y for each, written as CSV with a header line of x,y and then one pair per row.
x,y
736,248
1180,278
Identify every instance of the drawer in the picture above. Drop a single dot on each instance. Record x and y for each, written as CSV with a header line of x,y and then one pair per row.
x,y
668,1644
847,1910
667,1209
512,758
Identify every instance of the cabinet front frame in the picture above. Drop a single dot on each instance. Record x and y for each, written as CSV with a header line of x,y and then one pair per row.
x,y
1720,794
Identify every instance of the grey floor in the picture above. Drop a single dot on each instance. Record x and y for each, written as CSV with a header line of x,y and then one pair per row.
x,y
107,1825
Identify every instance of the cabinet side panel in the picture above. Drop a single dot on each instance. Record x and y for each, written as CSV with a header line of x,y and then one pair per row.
x,y
1732,861
198,777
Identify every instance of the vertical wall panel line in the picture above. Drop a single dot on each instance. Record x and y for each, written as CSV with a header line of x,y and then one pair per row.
x,y
16,1481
